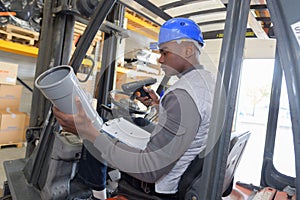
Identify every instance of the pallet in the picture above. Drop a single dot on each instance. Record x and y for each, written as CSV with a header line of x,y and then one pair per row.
x,y
13,144
17,34
134,14
141,25
79,29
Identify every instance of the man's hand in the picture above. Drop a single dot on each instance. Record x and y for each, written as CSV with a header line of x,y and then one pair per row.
x,y
152,101
78,123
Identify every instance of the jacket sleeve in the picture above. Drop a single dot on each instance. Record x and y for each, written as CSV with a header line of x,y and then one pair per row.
x,y
177,126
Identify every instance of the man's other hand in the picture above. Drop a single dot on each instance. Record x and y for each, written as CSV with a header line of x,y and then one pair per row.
x,y
153,100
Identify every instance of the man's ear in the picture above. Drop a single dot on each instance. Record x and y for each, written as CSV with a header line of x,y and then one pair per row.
x,y
189,51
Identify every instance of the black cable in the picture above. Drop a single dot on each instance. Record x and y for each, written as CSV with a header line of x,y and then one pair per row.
x,y
23,83
91,70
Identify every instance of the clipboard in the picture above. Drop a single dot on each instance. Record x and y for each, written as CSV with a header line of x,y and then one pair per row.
x,y
127,132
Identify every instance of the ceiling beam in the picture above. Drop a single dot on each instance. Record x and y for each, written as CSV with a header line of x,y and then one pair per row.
x,y
259,7
255,6
176,4
154,9
264,19
256,27
211,22
203,12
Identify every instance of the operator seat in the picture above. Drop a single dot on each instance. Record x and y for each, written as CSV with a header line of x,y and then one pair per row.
x,y
190,180
189,183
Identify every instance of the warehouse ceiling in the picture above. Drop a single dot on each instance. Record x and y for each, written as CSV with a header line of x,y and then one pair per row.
x,y
209,14
145,17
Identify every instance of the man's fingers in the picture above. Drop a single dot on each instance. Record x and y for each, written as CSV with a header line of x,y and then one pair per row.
x,y
79,106
57,112
81,115
148,100
143,98
148,90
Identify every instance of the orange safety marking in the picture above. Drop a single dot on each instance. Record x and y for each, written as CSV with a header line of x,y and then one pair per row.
x,y
8,14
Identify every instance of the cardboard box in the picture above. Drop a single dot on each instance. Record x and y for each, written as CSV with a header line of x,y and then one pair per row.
x,y
12,120
8,73
10,137
12,125
27,122
10,96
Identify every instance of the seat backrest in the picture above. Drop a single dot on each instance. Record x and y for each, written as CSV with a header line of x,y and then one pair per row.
x,y
189,181
237,147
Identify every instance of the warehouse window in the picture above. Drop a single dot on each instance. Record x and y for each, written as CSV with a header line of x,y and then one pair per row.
x,y
284,156
252,114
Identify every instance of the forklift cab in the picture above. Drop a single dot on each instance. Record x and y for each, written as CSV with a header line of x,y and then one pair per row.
x,y
36,176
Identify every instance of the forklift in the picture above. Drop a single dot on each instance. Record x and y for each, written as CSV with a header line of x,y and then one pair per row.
x,y
51,157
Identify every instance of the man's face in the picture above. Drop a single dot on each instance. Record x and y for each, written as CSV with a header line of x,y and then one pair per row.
x,y
171,58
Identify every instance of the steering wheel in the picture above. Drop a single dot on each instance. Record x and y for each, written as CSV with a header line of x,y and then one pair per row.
x,y
127,102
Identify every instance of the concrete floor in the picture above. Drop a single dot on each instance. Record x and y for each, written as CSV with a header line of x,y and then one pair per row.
x,y
9,153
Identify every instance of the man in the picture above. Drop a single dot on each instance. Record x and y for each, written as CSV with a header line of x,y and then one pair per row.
x,y
183,120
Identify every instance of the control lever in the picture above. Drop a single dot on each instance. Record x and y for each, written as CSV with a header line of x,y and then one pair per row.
x,y
137,86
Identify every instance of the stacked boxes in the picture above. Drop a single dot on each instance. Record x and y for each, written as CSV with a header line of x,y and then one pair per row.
x,y
8,73
12,121
12,126
10,96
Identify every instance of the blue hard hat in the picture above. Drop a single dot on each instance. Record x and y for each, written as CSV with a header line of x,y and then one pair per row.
x,y
180,28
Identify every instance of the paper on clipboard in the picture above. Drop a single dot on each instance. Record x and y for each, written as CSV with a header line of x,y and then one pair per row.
x,y
127,132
